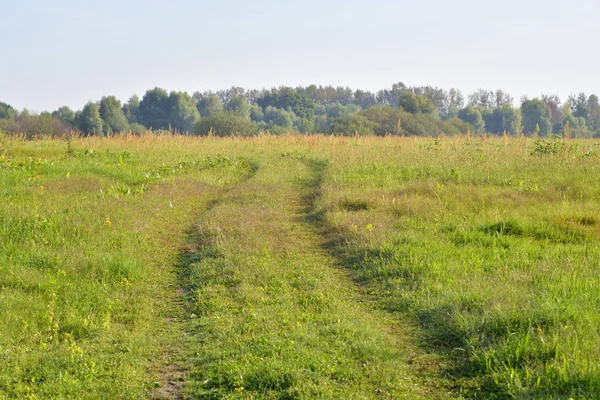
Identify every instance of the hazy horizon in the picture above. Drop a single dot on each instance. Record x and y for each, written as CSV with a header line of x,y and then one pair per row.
x,y
68,53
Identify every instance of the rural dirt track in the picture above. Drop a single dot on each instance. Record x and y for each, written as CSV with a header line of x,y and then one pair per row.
x,y
301,226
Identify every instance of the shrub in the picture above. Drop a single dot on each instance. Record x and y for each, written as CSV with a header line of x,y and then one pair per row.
x,y
137,129
225,124
387,120
353,125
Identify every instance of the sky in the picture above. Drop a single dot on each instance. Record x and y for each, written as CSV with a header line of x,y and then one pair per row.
x,y
69,52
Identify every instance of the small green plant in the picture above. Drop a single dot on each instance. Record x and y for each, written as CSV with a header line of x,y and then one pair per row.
x,y
70,151
549,147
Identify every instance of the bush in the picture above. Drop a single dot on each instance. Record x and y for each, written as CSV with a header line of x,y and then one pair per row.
x,y
462,126
353,125
35,125
387,120
225,124
137,129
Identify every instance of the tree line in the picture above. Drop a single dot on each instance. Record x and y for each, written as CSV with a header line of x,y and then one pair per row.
x,y
399,110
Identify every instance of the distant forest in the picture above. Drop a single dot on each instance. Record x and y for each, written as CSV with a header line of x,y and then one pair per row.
x,y
400,110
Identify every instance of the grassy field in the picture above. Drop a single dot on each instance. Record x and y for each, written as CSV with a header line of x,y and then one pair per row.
x,y
299,267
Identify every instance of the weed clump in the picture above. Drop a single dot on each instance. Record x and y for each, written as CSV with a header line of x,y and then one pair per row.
x,y
510,228
354,205
549,147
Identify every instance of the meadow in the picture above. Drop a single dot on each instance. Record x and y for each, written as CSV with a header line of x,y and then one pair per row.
x,y
299,267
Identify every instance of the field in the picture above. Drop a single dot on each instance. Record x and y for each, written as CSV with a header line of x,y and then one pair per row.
x,y
299,267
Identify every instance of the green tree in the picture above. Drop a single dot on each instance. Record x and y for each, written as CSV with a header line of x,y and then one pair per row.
x,y
364,99
575,125
209,105
471,115
286,98
579,105
337,110
536,113
456,102
154,109
239,106
131,109
183,113
278,117
502,119
65,114
89,121
409,102
304,125
416,103
553,102
113,119
256,113
593,121
8,112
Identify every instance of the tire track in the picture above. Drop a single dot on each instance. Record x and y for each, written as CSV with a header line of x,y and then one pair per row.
x,y
173,358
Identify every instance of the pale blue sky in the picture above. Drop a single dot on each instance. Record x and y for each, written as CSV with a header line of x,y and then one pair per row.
x,y
66,52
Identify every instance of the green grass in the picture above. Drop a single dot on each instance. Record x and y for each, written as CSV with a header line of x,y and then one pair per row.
x,y
493,250
271,314
299,267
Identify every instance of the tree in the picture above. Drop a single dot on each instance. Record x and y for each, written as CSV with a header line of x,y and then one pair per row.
x,y
512,119
276,116
439,98
553,102
579,105
226,95
65,114
7,111
154,109
456,101
502,119
409,102
391,97
386,120
304,125
89,121
574,126
536,113
256,113
209,105
502,99
337,110
113,119
239,106
286,98
364,99
482,98
472,116
42,124
593,121
489,99
131,109
183,113
416,103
